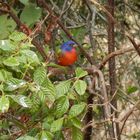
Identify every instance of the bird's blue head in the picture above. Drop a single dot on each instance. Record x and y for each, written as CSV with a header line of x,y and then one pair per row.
x,y
67,46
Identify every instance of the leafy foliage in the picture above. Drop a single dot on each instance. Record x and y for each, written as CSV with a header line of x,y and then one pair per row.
x,y
35,105
33,12
80,87
7,25
76,109
25,85
4,104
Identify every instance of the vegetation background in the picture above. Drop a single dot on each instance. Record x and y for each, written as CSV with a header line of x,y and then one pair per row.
x,y
97,98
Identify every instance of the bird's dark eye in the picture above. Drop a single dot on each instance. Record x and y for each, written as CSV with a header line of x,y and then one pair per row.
x,y
71,44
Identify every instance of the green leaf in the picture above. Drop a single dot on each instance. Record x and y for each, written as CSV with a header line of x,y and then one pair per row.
x,y
80,73
62,88
30,56
1,87
76,122
7,25
45,135
42,96
11,61
22,60
39,75
5,75
131,89
77,134
77,109
71,95
35,103
26,137
80,87
48,121
59,135
2,78
30,14
22,100
14,84
57,66
48,89
17,36
6,45
4,104
25,2
62,106
46,94
57,125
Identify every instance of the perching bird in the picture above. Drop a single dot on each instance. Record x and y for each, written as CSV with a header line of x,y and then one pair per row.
x,y
68,54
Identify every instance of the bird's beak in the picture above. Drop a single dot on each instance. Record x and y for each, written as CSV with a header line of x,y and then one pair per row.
x,y
75,46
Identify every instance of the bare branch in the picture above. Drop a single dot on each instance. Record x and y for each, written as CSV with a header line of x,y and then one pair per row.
x,y
116,53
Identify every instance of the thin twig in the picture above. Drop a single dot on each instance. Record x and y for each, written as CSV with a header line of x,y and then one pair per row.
x,y
65,10
126,116
104,9
116,53
137,48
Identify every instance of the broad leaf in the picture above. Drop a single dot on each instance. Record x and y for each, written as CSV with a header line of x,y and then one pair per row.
x,y
77,134
4,104
40,75
35,103
30,56
22,100
17,36
26,137
7,25
76,109
30,14
80,87
57,125
2,78
25,2
76,122
62,88
11,61
14,84
46,94
80,73
5,75
6,45
48,89
62,106
45,135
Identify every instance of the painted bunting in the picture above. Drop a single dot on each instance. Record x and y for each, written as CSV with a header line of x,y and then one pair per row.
x,y
68,54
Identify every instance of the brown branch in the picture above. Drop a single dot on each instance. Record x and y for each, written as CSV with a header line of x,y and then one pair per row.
x,y
104,9
137,48
65,10
114,128
113,54
90,27
126,116
44,5
89,112
94,70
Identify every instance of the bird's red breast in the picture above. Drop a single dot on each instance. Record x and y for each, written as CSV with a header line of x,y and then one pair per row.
x,y
67,58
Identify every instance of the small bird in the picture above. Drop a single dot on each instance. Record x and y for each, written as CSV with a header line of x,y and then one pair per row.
x,y
68,54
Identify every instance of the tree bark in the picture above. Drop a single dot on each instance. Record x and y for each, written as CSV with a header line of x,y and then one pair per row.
x,y
114,130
